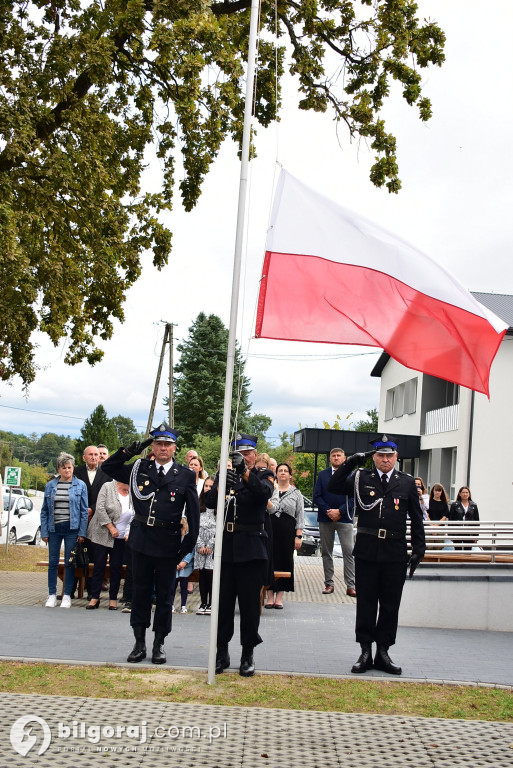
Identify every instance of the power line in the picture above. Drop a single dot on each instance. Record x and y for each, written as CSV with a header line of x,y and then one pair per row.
x,y
52,413
43,413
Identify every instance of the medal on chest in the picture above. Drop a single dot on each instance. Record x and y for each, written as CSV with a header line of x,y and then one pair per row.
x,y
396,502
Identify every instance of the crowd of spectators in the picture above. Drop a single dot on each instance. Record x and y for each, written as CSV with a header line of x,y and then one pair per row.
x,y
84,504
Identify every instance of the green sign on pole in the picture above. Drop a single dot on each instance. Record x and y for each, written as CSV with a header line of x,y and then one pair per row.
x,y
12,476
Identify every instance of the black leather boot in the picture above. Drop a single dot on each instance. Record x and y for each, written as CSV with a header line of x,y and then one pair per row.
x,y
247,665
222,659
158,655
365,659
138,652
383,661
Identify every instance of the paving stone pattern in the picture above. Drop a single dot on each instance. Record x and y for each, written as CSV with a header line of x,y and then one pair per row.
x,y
184,735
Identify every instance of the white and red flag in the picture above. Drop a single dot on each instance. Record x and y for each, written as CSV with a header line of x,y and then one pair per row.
x,y
332,276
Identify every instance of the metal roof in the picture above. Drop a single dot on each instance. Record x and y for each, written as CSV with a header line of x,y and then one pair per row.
x,y
500,303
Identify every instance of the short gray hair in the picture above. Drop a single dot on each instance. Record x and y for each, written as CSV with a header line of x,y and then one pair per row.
x,y
65,458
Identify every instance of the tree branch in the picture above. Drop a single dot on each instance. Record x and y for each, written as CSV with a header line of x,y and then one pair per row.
x,y
221,9
46,127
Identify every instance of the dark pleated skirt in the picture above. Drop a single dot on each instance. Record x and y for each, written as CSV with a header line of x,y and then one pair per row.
x,y
284,533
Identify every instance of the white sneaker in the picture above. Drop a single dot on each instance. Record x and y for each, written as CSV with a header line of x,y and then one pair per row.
x,y
51,601
173,609
183,609
66,601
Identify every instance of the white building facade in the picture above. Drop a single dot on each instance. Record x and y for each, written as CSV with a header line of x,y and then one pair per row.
x,y
465,438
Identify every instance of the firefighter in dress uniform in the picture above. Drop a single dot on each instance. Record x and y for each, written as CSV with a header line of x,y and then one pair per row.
x,y
384,498
245,551
163,530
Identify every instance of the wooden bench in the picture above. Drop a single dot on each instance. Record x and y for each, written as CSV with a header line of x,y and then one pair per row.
x,y
79,574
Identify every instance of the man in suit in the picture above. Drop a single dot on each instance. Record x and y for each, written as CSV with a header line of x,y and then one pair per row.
x,y
164,529
384,498
92,476
335,515
244,554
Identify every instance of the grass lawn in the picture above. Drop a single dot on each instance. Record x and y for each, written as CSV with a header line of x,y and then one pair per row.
x,y
270,691
22,557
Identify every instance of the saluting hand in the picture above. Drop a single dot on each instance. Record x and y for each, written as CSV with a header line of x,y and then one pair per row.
x,y
137,447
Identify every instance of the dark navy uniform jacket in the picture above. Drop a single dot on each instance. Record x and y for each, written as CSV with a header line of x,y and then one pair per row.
x,y
378,511
247,506
165,502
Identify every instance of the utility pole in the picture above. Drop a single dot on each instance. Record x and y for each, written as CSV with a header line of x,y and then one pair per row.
x,y
168,339
171,388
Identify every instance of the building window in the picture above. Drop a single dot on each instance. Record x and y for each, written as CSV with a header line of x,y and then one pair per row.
x,y
453,394
401,399
410,396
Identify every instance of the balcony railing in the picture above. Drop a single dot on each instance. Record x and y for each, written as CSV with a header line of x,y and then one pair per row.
x,y
464,541
441,420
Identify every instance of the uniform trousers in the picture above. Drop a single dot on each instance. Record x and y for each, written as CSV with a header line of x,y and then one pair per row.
x,y
147,571
127,586
242,581
345,536
379,586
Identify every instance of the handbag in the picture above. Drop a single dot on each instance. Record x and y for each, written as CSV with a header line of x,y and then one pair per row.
x,y
79,556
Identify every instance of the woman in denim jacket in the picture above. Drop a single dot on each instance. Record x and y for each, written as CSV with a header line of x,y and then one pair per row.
x,y
63,518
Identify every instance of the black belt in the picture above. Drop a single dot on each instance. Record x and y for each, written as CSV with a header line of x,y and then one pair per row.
x,y
154,521
231,527
381,533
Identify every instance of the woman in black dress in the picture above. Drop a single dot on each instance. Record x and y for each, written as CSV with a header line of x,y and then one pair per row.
x,y
287,517
438,507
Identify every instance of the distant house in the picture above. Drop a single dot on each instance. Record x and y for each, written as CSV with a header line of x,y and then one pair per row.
x,y
465,438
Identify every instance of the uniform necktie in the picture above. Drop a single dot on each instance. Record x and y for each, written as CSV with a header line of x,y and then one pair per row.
x,y
384,482
162,474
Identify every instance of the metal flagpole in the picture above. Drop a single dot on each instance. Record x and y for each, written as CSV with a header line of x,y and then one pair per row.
x,y
232,337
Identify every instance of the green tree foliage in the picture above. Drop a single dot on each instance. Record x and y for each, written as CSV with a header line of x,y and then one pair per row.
x,y
48,447
200,381
5,457
207,446
33,476
98,428
304,463
370,424
88,87
257,424
34,450
126,432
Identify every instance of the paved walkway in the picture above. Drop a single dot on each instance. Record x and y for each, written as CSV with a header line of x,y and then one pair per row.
x,y
314,634
189,735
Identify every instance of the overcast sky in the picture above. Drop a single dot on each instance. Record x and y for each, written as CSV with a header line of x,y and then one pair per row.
x,y
455,205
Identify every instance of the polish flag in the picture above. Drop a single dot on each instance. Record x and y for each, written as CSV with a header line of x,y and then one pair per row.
x,y
332,276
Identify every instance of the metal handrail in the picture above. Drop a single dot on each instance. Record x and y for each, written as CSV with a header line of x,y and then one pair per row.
x,y
469,541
